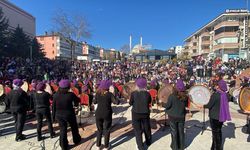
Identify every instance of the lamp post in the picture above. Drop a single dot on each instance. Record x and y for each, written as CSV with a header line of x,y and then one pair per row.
x,y
31,51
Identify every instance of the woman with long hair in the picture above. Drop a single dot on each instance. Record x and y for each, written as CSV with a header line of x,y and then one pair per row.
x,y
140,101
103,113
63,111
42,107
176,110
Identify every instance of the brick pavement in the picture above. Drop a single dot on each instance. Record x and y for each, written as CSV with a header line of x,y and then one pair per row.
x,y
122,137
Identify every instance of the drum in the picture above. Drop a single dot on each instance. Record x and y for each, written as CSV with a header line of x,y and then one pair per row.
x,y
231,90
48,89
164,92
127,89
236,93
1,90
2,107
244,99
25,86
199,94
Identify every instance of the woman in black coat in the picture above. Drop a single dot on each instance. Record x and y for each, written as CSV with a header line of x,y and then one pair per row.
x,y
176,110
103,113
218,113
42,107
64,113
140,101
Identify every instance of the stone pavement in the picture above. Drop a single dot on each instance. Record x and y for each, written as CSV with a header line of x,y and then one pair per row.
x,y
122,137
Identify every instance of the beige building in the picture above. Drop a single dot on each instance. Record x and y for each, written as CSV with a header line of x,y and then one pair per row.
x,y
226,36
17,16
56,47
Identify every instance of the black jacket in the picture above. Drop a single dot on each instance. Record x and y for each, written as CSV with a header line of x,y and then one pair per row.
x,y
104,102
17,100
41,101
63,104
140,101
175,108
214,106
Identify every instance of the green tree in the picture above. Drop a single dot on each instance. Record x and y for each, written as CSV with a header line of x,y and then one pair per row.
x,y
37,50
19,43
4,33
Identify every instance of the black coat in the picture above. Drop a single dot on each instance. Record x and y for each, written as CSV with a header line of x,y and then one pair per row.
x,y
104,102
175,108
140,101
41,101
214,106
17,100
63,104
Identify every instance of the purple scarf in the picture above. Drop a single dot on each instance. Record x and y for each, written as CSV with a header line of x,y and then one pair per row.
x,y
224,107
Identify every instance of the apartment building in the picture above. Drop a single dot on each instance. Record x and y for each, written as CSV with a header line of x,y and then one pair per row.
x,y
56,47
91,52
18,17
226,36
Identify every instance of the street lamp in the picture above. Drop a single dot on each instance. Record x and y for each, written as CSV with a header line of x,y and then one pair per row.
x,y
31,53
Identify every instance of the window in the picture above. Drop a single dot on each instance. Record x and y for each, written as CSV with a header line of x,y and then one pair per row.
x,y
226,40
195,44
41,38
53,52
52,37
194,50
227,29
205,38
205,47
53,45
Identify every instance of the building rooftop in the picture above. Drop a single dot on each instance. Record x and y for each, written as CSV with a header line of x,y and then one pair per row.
x,y
228,12
156,52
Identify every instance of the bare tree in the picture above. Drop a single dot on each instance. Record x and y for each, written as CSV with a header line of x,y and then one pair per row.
x,y
72,27
125,49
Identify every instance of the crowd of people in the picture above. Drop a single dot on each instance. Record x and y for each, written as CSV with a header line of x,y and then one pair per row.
x,y
94,79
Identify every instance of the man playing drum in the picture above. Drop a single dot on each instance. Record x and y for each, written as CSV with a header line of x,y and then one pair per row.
x,y
218,113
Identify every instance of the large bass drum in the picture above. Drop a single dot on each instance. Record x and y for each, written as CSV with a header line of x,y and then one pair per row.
x,y
164,92
25,86
199,94
1,90
127,89
244,99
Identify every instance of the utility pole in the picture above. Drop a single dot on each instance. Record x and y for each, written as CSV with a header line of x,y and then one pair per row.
x,y
31,53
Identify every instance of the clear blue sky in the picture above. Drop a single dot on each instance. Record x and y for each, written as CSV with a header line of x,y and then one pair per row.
x,y
162,23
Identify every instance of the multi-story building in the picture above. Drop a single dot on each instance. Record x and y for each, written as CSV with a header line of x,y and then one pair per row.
x,y
91,52
226,36
18,17
56,47
178,50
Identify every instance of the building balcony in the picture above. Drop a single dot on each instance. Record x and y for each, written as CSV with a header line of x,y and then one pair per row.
x,y
194,47
194,54
205,51
205,34
226,46
225,34
227,23
205,42
188,44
